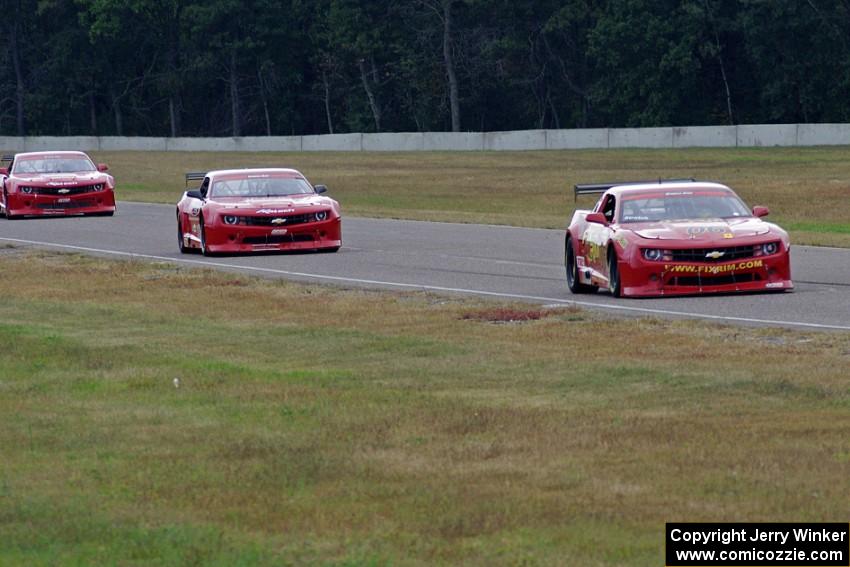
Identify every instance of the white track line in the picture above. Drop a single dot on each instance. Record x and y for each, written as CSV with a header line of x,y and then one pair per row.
x,y
423,287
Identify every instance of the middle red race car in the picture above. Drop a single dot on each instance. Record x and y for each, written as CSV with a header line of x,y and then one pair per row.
x,y
673,238
256,210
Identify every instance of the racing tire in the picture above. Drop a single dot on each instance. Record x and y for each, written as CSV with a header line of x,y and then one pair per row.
x,y
180,246
204,250
615,285
571,267
6,214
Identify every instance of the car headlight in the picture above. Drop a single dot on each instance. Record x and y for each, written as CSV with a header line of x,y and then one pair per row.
x,y
231,219
770,248
98,187
26,190
321,215
653,254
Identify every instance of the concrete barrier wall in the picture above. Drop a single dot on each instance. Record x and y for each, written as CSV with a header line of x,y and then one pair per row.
x,y
744,135
518,140
453,141
402,142
332,143
589,138
705,137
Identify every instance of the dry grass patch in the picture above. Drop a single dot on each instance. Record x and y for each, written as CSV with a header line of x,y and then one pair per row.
x,y
328,426
807,189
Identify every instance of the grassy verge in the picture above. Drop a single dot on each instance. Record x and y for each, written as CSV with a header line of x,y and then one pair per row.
x,y
807,189
332,427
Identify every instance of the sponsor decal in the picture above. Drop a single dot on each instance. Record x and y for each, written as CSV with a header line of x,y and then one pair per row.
x,y
279,231
195,211
593,252
63,200
775,284
714,270
61,183
274,211
622,241
695,230
728,235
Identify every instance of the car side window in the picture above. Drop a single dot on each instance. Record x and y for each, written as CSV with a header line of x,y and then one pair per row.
x,y
608,209
205,187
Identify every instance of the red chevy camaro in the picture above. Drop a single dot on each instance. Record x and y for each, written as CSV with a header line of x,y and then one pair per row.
x,y
673,238
257,210
55,183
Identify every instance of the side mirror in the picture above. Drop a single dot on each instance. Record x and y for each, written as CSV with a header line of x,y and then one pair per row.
x,y
194,194
321,189
596,218
102,167
4,171
760,211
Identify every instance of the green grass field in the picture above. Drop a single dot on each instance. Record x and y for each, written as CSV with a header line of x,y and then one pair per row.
x,y
807,189
321,426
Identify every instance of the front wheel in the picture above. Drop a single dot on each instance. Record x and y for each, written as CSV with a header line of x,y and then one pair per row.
x,y
204,250
180,240
614,283
572,270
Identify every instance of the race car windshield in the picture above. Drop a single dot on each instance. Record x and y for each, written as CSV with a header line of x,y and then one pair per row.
x,y
55,165
683,206
261,187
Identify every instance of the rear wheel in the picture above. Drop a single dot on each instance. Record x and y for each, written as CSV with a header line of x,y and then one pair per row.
x,y
573,281
614,283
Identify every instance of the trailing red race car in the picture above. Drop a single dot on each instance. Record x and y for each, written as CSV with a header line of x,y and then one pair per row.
x,y
55,183
674,237
256,210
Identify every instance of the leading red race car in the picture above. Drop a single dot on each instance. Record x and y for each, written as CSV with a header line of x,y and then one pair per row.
x,y
674,237
55,183
257,210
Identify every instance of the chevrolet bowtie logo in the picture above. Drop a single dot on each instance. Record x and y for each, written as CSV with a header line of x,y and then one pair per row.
x,y
278,221
63,191
715,255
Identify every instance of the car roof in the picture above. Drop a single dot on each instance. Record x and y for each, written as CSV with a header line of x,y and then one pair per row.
x,y
632,188
253,171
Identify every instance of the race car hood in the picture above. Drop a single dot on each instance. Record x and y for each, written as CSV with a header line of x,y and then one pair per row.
x,y
701,230
275,205
61,179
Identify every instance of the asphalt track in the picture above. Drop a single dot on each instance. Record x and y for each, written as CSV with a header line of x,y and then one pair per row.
x,y
493,261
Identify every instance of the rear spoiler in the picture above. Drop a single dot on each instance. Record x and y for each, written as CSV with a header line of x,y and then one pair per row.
x,y
598,188
195,176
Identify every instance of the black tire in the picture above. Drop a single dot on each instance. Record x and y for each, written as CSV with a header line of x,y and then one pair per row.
x,y
6,207
204,250
183,249
614,283
571,267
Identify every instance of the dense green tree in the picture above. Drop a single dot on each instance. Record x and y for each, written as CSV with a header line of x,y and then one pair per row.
x,y
267,67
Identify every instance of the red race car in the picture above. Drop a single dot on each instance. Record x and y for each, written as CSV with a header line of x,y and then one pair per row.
x,y
676,237
256,210
56,183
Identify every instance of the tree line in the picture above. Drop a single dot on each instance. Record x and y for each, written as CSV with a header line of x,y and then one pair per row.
x,y
291,67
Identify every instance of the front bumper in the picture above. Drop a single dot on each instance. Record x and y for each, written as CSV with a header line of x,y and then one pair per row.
x,y
38,205
226,239
643,278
